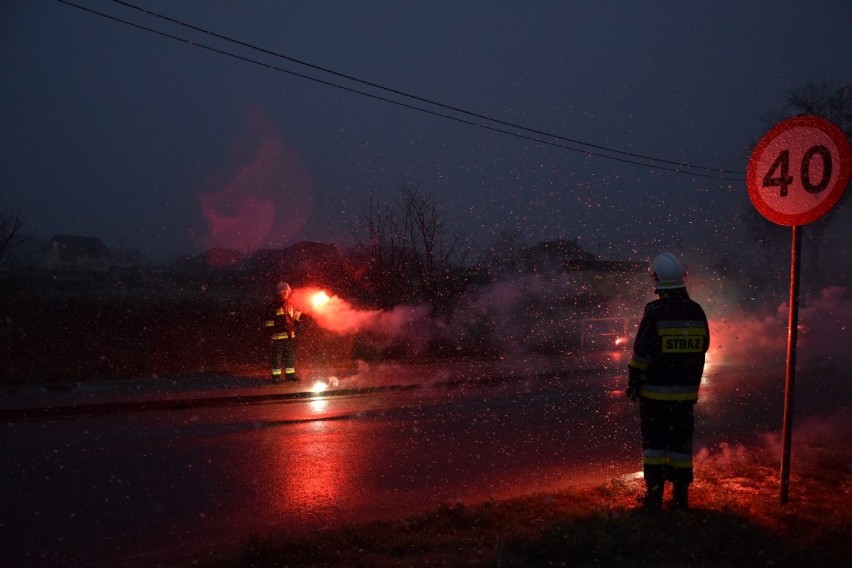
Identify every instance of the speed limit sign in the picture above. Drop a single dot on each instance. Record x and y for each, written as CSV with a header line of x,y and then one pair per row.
x,y
796,174
799,170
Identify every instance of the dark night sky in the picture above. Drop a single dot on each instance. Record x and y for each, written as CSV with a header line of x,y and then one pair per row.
x,y
151,143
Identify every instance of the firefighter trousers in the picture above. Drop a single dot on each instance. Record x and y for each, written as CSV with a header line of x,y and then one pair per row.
x,y
667,430
283,357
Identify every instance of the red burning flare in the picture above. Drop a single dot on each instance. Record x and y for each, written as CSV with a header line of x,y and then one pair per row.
x,y
332,312
319,299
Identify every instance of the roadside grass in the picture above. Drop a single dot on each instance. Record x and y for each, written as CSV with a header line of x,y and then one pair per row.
x,y
736,519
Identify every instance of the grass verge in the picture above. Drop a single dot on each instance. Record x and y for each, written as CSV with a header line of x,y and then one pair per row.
x,y
736,520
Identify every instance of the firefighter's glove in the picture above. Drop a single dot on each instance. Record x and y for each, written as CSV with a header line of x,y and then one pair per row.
x,y
634,383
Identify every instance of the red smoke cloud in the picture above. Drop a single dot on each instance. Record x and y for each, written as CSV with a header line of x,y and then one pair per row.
x,y
339,316
823,332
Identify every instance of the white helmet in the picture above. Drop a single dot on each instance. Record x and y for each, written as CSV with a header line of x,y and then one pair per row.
x,y
668,272
282,287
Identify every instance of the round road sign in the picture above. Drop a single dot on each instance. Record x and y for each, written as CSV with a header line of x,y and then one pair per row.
x,y
799,170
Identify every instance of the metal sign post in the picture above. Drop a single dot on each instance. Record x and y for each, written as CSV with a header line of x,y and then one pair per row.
x,y
790,375
796,174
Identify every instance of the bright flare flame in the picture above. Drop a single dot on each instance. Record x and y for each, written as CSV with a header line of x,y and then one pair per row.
x,y
319,387
319,299
333,313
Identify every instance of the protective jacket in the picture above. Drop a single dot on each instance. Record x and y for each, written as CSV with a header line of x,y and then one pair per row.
x,y
670,345
282,320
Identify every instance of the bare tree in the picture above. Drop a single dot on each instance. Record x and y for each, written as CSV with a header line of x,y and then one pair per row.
x,y
11,223
824,99
386,256
412,255
430,241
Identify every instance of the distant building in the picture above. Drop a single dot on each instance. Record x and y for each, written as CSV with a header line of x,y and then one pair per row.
x,y
72,253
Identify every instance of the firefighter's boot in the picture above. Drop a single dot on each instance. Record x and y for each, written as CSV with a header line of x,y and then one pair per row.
x,y
653,499
680,496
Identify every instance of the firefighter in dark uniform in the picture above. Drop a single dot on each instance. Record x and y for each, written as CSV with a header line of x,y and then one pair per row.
x,y
282,323
664,376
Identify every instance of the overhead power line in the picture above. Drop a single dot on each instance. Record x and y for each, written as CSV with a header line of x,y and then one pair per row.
x,y
518,131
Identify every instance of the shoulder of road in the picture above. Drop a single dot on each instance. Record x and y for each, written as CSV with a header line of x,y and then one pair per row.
x,y
48,401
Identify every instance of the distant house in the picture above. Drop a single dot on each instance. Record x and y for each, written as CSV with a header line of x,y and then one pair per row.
x,y
74,253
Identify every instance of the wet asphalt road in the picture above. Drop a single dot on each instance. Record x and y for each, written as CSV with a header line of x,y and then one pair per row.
x,y
137,487
155,487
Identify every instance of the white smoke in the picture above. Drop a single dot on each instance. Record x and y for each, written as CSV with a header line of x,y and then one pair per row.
x,y
524,313
409,323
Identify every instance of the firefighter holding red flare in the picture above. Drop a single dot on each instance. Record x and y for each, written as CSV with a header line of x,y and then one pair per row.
x,y
664,376
282,323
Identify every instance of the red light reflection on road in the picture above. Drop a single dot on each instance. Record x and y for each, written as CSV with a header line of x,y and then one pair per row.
x,y
317,479
319,466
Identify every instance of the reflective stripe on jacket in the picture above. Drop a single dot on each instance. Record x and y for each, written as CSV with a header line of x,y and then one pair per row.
x,y
670,345
282,320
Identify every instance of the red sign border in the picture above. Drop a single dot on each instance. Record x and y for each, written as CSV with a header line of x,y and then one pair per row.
x,y
835,193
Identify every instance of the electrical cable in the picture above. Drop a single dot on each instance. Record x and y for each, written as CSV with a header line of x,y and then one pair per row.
x,y
418,98
681,168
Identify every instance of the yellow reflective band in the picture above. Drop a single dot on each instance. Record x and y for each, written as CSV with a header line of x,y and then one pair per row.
x,y
654,460
682,464
672,396
638,363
